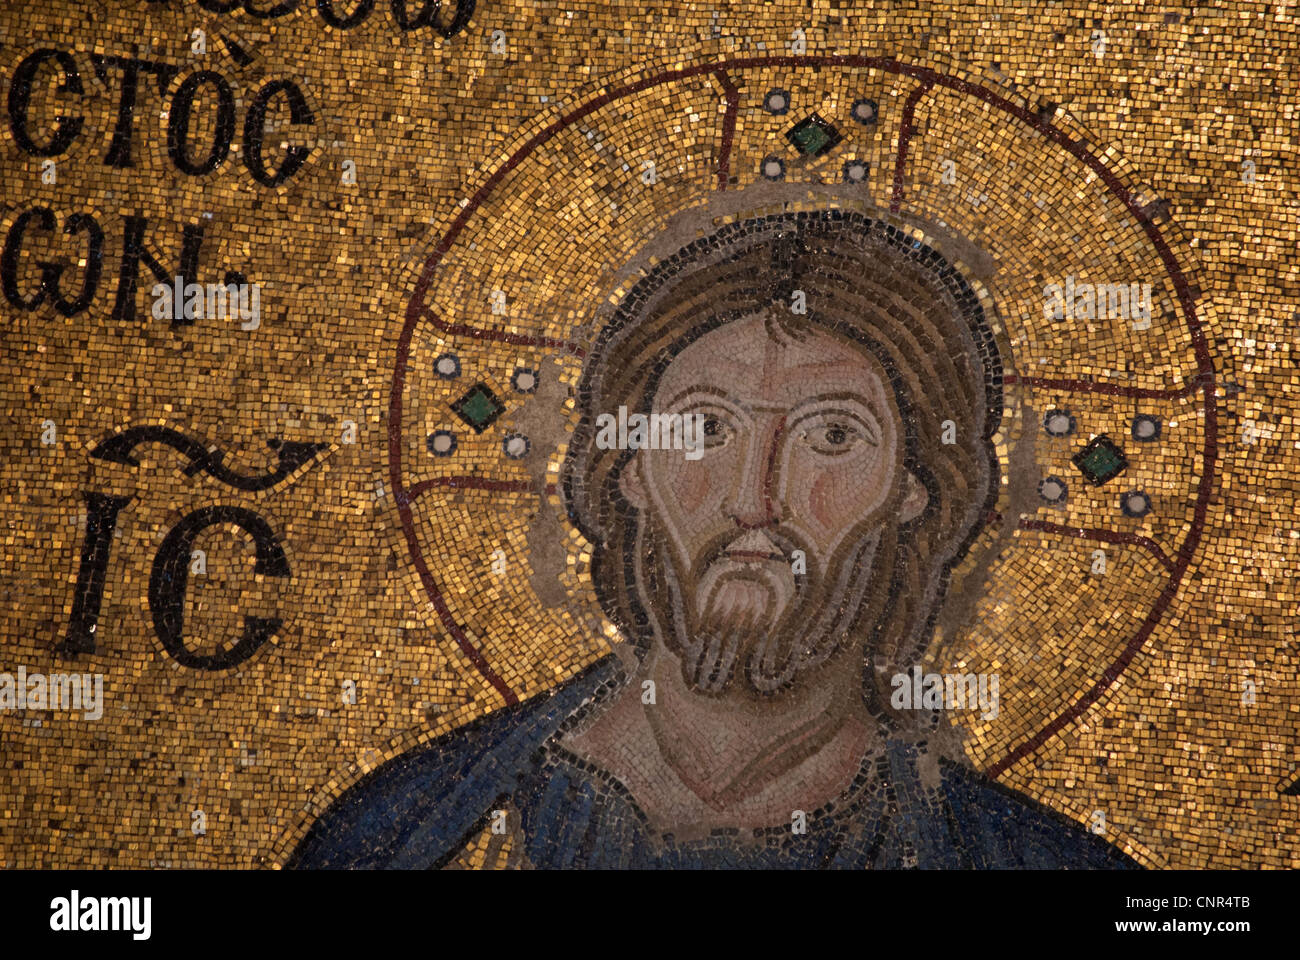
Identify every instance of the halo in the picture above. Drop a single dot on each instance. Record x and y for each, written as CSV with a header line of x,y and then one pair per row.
x,y
583,202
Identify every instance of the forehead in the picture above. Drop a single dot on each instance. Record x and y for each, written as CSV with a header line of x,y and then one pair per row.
x,y
755,366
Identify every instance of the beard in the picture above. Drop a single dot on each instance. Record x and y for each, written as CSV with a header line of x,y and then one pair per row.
x,y
755,619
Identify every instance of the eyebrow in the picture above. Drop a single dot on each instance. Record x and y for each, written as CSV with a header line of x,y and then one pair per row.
x,y
712,391
846,395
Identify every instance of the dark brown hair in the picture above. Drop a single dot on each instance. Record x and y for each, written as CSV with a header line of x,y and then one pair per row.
x,y
866,281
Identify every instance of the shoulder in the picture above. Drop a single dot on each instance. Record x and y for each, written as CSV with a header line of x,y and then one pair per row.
x,y
1004,829
415,808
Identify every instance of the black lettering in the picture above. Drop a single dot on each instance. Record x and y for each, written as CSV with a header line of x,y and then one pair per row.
x,y
9,260
20,98
428,10
178,123
236,52
279,10
464,10
134,253
255,121
94,265
119,149
326,10
170,578
95,549
292,454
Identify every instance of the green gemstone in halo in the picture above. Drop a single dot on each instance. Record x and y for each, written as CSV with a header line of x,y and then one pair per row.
x,y
478,407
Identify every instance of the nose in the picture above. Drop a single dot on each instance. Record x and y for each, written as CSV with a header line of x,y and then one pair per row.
x,y
756,501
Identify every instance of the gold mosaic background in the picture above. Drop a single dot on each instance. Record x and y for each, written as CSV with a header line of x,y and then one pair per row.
x,y
1186,774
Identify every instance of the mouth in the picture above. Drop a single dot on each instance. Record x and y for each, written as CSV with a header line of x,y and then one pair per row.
x,y
754,546
753,556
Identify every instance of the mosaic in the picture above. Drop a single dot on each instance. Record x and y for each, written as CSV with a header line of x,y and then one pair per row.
x,y
765,436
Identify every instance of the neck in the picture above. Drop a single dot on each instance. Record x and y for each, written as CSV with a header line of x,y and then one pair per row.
x,y
738,759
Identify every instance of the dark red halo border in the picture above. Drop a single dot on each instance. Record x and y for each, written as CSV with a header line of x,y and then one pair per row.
x,y
1205,382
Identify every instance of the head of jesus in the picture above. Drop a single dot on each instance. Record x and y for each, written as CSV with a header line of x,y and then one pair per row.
x,y
822,509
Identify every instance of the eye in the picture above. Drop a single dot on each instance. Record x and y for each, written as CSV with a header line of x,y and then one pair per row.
x,y
716,431
833,438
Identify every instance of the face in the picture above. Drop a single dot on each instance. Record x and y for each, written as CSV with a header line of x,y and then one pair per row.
x,y
767,541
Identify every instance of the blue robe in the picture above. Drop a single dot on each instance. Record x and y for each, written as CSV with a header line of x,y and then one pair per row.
x,y
421,809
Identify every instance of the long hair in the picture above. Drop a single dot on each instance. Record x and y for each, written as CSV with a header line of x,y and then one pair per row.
x,y
863,280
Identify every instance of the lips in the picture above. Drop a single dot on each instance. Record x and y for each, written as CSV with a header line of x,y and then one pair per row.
x,y
753,546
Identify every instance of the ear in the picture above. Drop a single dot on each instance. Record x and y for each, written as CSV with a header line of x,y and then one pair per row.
x,y
631,483
915,499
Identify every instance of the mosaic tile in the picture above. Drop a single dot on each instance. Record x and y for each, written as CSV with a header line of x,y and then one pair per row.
x,y
770,436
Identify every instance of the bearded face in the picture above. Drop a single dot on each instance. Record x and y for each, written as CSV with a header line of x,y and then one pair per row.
x,y
750,612
757,559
